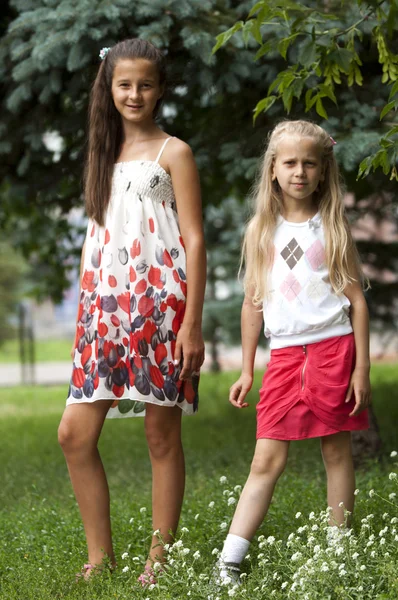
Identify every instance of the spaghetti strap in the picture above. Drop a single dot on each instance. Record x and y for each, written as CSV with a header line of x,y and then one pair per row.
x,y
162,148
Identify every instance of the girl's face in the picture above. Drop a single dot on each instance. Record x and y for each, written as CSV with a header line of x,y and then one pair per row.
x,y
298,168
135,89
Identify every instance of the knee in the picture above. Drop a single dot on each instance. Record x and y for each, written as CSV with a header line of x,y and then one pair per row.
x,y
335,453
162,442
269,465
71,440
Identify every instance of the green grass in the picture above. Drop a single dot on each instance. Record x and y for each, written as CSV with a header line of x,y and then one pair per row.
x,y
45,351
42,543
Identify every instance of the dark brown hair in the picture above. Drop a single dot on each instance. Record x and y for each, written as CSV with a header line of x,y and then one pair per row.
x,y
105,132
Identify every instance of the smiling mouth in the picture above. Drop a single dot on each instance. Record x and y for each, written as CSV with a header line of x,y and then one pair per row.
x,y
134,106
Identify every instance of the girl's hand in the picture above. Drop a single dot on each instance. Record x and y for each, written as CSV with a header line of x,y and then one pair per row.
x,y
360,385
238,391
191,349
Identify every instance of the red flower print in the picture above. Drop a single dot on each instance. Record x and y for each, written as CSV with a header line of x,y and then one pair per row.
x,y
135,249
138,362
146,306
102,329
189,392
93,230
140,287
78,377
86,354
133,275
182,242
154,276
176,276
124,302
112,281
88,281
183,287
125,341
160,353
96,381
81,310
167,259
118,390
115,320
156,376
148,330
151,225
107,236
163,307
172,301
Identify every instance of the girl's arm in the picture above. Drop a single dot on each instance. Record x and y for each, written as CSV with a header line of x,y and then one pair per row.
x,y
251,324
360,382
78,299
185,178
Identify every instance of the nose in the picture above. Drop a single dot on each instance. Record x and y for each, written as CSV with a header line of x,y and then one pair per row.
x,y
299,169
134,92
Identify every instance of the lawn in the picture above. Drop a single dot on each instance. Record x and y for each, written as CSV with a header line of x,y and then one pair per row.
x,y
45,351
42,543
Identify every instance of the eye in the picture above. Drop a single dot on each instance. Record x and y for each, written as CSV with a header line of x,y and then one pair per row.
x,y
311,164
289,162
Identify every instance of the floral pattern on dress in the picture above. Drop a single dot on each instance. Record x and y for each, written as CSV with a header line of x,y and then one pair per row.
x,y
132,299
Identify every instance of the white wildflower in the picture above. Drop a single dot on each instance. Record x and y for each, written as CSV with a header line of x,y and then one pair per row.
x,y
196,555
356,492
196,517
355,555
342,572
394,520
125,555
125,569
215,551
186,551
223,479
231,500
324,567
184,530
371,493
392,496
392,476
298,515
314,528
143,510
296,556
131,520
341,504
284,584
211,504
362,568
393,454
223,525
237,489
270,539
382,541
372,554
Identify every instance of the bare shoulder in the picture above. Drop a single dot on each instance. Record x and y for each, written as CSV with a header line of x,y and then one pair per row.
x,y
177,149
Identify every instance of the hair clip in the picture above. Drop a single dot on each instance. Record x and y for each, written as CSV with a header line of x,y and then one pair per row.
x,y
333,141
103,53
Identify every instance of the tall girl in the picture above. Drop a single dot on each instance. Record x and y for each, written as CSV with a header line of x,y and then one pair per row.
x,y
138,346
303,280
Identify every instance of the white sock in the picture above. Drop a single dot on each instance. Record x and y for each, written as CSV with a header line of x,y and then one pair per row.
x,y
235,549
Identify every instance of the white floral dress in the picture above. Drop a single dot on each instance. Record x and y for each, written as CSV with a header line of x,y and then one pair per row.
x,y
132,298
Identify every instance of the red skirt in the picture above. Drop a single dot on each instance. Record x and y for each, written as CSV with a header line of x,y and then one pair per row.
x,y
304,389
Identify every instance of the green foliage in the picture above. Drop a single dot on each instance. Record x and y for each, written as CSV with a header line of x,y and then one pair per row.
x,y
42,544
325,48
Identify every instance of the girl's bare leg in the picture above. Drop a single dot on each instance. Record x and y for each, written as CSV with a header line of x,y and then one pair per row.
x,y
268,464
163,433
337,458
78,435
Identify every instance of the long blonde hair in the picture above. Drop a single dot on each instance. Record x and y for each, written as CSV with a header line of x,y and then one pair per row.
x,y
258,248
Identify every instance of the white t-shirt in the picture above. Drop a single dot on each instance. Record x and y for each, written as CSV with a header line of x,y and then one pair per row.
x,y
302,307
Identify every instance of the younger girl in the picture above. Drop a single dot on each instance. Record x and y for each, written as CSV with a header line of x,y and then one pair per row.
x,y
138,343
302,268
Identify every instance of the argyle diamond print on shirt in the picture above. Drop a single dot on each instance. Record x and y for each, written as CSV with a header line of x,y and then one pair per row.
x,y
292,253
315,255
290,287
